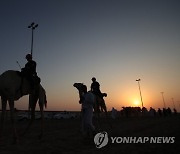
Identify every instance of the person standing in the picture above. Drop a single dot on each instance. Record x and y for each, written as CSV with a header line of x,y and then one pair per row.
x,y
87,112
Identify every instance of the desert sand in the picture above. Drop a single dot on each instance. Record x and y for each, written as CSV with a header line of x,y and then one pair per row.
x,y
64,136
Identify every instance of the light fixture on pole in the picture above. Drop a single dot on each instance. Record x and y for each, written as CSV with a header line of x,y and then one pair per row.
x,y
138,80
33,26
173,103
163,99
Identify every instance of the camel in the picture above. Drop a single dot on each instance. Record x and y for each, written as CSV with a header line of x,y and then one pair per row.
x,y
99,106
12,87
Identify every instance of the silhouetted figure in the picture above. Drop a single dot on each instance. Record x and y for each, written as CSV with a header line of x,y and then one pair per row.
x,y
131,111
100,103
88,101
169,111
164,112
159,112
114,113
144,111
29,71
95,88
152,112
136,111
175,111
127,111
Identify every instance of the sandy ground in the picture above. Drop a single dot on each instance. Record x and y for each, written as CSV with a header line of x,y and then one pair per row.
x,y
64,137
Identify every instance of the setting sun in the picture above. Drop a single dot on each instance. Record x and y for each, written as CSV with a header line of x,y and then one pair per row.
x,y
136,103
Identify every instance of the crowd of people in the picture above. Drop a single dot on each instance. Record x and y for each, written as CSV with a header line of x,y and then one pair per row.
x,y
137,111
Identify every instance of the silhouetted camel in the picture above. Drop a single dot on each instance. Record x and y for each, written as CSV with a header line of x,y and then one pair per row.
x,y
13,87
100,105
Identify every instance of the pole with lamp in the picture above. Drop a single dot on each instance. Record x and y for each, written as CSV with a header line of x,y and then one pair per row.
x,y
173,103
138,80
163,99
33,26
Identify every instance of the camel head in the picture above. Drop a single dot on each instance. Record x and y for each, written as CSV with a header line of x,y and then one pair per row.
x,y
78,86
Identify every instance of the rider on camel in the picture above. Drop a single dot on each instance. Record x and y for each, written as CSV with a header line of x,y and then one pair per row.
x,y
95,88
29,71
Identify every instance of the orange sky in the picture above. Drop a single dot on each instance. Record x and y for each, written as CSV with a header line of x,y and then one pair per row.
x,y
115,41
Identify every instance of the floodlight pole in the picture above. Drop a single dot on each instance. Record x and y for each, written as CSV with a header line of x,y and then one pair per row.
x,y
32,26
163,99
140,91
173,103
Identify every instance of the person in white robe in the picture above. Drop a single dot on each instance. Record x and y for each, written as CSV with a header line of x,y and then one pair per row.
x,y
87,112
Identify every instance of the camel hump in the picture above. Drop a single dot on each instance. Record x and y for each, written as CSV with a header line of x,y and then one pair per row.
x,y
9,73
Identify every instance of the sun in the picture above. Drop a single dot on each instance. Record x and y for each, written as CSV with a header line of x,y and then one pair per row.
x,y
136,103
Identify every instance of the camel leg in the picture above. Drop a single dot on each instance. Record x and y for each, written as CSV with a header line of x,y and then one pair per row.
x,y
106,113
11,106
97,113
4,104
32,115
42,120
31,120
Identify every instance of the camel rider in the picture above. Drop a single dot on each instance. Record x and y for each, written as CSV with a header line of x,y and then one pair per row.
x,y
95,88
29,71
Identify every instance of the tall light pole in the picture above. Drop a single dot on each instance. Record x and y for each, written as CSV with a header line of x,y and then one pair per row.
x,y
173,103
33,26
163,99
138,80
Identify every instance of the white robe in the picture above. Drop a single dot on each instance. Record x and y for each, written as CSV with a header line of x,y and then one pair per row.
x,y
87,113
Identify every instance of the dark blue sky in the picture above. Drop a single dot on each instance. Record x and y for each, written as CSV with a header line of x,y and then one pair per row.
x,y
116,41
